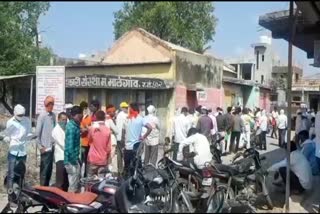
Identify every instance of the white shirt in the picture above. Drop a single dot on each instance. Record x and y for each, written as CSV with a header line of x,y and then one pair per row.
x,y
120,121
282,121
201,147
114,131
181,126
154,136
299,166
214,130
263,122
58,136
317,130
18,135
193,120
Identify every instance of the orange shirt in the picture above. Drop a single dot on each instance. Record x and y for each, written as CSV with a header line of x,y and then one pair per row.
x,y
86,121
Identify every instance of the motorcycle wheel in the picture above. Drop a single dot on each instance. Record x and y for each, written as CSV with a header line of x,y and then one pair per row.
x,y
216,202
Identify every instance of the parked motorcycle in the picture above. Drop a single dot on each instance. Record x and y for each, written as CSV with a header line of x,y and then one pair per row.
x,y
148,189
244,180
215,148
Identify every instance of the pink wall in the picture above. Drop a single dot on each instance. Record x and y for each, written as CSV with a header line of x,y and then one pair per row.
x,y
214,99
265,102
181,96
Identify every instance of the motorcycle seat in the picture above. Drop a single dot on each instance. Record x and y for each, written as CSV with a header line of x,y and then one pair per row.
x,y
226,168
85,198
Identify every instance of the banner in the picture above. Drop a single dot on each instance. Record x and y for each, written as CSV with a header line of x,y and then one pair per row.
x,y
120,82
50,80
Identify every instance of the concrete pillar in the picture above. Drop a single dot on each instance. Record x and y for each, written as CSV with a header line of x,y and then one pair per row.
x,y
252,72
238,71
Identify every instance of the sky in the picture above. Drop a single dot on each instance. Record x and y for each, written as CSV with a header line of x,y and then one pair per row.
x,y
73,28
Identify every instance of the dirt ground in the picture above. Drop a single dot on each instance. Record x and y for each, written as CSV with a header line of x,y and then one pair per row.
x,y
302,204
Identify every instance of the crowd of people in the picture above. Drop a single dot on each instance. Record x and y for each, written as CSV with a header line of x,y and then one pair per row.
x,y
84,140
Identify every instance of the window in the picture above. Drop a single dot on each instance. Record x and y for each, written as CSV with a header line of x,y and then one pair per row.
x,y
262,57
257,63
297,77
262,79
296,98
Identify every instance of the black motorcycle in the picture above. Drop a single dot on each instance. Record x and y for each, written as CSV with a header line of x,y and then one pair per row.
x,y
243,181
215,148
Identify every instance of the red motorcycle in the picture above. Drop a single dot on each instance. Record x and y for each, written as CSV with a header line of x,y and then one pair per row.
x,y
98,198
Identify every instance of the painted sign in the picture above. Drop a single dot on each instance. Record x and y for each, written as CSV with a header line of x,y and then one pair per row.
x,y
50,81
201,95
106,81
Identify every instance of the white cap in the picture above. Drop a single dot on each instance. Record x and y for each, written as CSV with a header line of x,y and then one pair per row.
x,y
204,108
69,105
19,110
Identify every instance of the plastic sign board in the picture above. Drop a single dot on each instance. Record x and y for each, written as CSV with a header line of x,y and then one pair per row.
x,y
50,81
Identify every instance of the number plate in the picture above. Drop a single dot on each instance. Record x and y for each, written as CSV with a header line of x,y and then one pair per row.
x,y
207,181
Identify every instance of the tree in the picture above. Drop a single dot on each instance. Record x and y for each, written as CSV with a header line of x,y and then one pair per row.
x,y
18,24
189,24
18,33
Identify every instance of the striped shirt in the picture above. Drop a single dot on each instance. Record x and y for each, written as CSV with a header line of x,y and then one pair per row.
x,y
72,143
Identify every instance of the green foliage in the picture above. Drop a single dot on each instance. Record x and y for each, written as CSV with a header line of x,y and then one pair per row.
x,y
189,24
18,29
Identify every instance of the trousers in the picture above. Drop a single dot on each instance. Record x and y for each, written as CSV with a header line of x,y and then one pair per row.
x,y
61,176
46,165
150,154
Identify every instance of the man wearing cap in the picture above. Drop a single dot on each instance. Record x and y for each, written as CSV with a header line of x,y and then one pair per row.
x,y
17,149
205,124
152,141
120,121
45,125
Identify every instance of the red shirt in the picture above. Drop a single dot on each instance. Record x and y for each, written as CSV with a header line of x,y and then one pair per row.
x,y
100,145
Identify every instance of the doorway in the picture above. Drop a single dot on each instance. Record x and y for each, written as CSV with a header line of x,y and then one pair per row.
x,y
192,99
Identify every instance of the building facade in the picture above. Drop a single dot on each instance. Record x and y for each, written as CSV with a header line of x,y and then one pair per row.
x,y
163,74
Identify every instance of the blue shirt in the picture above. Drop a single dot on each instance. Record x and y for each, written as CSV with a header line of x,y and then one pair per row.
x,y
133,129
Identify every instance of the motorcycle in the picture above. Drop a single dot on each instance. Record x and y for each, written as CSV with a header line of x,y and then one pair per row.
x,y
244,180
99,198
150,189
215,148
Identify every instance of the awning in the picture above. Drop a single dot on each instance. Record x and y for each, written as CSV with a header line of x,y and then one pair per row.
x,y
15,76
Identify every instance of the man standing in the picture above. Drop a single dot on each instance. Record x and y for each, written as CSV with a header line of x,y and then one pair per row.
x,y
274,121
85,124
236,130
100,145
133,129
94,107
205,125
45,124
152,141
282,127
229,125
263,126
221,125
58,135
72,149
181,126
109,121
214,130
18,127
120,121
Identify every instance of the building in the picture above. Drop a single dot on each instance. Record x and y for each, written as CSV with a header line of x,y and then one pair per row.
x,y
279,83
141,67
307,34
